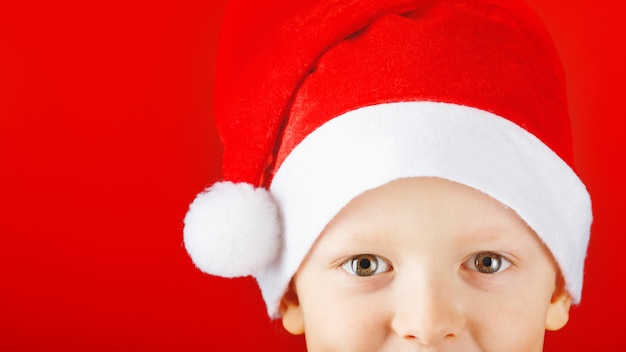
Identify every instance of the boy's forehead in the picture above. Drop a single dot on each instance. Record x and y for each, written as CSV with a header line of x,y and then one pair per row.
x,y
423,205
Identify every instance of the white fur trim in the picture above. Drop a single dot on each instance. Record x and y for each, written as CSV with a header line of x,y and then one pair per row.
x,y
371,146
232,229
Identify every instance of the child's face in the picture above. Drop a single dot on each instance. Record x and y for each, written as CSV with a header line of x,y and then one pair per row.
x,y
425,264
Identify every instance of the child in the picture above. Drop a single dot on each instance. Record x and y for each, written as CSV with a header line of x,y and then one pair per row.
x,y
398,174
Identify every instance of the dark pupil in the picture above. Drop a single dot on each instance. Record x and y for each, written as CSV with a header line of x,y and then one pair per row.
x,y
487,262
365,263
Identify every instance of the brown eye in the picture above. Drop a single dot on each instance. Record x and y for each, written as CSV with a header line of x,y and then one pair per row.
x,y
489,262
365,265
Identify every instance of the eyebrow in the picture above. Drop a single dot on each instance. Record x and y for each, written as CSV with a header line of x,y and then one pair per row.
x,y
356,238
488,234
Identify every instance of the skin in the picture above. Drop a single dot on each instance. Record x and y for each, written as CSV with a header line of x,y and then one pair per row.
x,y
427,293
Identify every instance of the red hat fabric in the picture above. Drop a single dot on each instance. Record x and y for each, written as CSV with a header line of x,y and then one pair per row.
x,y
318,101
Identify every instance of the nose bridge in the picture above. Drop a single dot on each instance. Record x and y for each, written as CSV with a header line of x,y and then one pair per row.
x,y
426,307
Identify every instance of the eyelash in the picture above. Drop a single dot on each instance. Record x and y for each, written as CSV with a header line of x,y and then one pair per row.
x,y
370,264
490,262
366,265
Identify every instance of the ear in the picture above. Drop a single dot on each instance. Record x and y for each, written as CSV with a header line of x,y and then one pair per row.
x,y
293,320
558,311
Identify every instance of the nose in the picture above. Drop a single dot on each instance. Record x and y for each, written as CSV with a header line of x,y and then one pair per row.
x,y
426,311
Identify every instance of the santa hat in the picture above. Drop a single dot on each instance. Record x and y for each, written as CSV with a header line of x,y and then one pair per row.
x,y
319,101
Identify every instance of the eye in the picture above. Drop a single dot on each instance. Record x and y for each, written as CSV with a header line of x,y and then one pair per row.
x,y
366,265
488,263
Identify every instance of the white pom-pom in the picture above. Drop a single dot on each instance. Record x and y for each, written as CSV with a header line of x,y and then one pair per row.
x,y
232,229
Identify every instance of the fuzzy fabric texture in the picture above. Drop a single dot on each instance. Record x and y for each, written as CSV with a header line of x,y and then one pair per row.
x,y
232,230
284,70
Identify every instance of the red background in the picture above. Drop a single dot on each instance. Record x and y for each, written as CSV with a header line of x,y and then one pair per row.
x,y
106,136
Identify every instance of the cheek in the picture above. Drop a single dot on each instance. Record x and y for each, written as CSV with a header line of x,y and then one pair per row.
x,y
340,320
516,320
523,293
